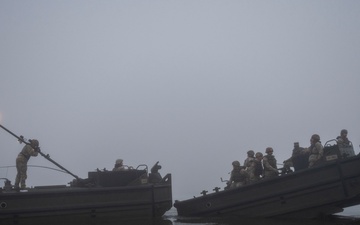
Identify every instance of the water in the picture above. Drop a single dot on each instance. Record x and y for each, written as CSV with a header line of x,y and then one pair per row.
x,y
349,217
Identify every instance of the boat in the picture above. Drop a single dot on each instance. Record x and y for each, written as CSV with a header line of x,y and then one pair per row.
x,y
129,193
323,190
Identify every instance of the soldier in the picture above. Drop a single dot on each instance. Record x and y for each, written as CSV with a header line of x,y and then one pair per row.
x,y
344,144
119,165
256,169
154,176
249,159
296,159
316,150
239,176
342,139
269,163
22,159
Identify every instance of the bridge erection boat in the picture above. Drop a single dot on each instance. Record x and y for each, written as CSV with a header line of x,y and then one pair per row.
x,y
130,193
318,191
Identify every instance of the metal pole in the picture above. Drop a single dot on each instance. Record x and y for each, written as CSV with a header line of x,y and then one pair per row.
x,y
21,139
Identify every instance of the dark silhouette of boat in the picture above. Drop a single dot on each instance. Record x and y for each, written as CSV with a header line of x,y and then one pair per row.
x,y
322,190
126,194
130,193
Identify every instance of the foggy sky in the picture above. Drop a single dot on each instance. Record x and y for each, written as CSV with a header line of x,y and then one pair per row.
x,y
192,84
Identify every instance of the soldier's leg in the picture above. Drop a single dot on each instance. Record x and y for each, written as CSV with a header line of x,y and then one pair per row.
x,y
23,175
17,179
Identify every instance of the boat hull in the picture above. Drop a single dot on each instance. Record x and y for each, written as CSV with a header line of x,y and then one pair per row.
x,y
147,200
323,190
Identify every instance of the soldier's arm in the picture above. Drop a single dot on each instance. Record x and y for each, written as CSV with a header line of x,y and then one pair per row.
x,y
32,151
320,149
267,164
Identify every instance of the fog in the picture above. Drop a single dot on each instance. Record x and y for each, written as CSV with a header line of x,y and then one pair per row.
x,y
191,84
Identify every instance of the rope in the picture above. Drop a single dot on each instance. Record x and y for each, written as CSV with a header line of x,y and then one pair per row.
x,y
44,167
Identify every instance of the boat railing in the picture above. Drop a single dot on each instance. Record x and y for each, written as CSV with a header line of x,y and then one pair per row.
x,y
334,150
144,166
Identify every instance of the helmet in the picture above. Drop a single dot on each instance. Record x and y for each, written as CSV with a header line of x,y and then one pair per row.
x,y
259,154
119,161
34,143
343,131
236,163
315,137
251,153
269,149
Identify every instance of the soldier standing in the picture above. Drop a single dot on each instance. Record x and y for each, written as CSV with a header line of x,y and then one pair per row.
x,y
269,162
296,159
316,150
22,159
249,159
342,139
256,169
239,176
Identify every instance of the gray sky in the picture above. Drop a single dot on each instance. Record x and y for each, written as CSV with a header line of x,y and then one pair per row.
x,y
192,84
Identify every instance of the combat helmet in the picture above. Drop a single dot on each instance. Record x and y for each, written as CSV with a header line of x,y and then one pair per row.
x,y
315,137
269,149
118,161
251,153
343,131
34,143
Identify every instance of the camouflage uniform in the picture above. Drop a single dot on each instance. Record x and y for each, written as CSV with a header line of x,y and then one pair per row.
x,y
342,140
256,169
239,176
296,154
269,163
21,164
249,159
119,165
316,150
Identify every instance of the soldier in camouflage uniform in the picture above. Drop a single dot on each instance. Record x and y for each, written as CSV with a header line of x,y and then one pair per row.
x,y
21,162
119,166
239,176
316,150
297,155
343,139
248,163
256,169
344,144
269,163
249,159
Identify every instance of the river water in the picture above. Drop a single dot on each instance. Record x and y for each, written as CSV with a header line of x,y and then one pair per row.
x,y
350,216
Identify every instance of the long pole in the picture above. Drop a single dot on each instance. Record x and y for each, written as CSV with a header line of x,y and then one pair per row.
x,y
21,139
